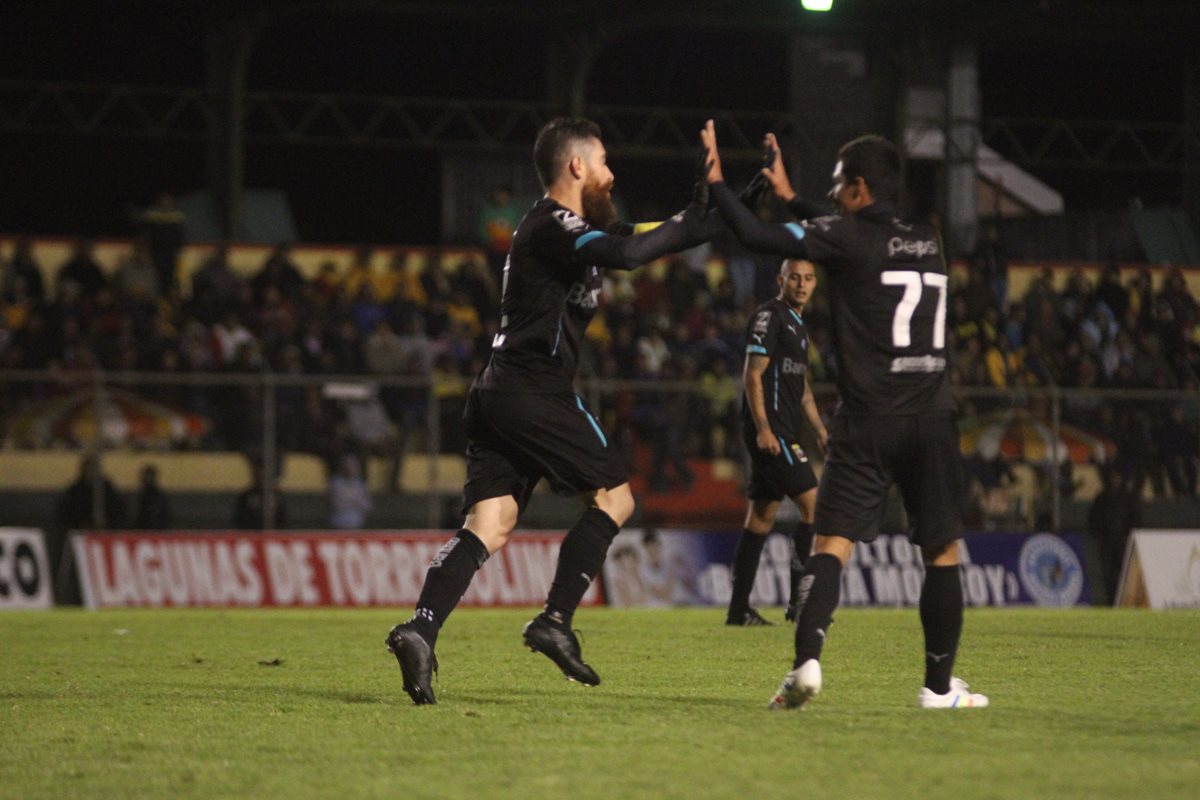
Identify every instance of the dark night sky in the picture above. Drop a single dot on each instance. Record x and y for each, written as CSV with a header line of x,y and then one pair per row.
x,y
61,184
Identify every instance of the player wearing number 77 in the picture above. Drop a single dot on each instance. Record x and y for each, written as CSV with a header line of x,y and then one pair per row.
x,y
896,419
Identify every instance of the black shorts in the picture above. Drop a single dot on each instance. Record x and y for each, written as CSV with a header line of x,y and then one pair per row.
x,y
773,478
516,439
867,453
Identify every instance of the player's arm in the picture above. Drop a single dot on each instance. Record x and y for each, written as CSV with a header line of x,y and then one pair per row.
x,y
752,374
814,416
783,240
611,251
688,228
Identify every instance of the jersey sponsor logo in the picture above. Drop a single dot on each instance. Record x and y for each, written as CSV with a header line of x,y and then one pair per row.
x,y
582,295
570,221
920,248
918,364
794,367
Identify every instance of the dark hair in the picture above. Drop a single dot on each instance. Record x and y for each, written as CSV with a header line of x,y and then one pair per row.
x,y
553,142
876,161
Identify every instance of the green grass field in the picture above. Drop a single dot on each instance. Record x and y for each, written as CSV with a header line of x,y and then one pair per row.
x,y
202,704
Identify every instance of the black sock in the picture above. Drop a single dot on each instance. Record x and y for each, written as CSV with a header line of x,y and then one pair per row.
x,y
802,539
820,589
941,617
579,562
446,581
745,567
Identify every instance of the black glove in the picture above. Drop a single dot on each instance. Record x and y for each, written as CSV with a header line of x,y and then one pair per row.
x,y
759,185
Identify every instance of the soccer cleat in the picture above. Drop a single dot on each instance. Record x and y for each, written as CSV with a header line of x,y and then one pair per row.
x,y
793,611
417,662
561,646
748,618
959,696
799,686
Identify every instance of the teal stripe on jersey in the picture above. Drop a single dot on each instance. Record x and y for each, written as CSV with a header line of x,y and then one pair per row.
x,y
786,451
591,419
792,311
587,237
756,348
796,229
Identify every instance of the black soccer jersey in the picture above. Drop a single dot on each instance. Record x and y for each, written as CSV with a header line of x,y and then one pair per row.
x,y
548,297
777,331
887,284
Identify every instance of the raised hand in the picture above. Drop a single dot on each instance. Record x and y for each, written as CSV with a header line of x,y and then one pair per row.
x,y
773,170
708,137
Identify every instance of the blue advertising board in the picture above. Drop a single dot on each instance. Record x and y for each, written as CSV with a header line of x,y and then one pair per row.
x,y
685,567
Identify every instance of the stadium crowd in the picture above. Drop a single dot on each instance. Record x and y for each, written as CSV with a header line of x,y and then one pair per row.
x,y
683,321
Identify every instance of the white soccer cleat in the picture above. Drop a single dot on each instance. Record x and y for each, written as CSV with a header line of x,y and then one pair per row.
x,y
799,686
959,696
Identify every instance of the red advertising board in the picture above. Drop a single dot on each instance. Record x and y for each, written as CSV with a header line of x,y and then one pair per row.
x,y
290,569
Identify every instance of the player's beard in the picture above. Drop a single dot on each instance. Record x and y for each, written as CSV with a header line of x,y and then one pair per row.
x,y
598,208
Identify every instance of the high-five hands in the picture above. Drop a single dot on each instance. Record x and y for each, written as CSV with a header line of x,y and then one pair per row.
x,y
773,170
708,138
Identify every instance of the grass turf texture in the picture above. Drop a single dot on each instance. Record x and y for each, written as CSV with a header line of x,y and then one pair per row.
x,y
183,704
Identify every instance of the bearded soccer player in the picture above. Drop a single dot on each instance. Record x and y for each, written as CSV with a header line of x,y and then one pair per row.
x,y
524,421
896,420
777,399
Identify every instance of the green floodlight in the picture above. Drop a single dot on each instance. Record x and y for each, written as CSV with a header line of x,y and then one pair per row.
x,y
817,5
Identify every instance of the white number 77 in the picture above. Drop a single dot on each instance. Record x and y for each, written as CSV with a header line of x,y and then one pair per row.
x,y
913,283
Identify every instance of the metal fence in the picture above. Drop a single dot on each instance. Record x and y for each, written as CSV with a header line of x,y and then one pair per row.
x,y
1033,458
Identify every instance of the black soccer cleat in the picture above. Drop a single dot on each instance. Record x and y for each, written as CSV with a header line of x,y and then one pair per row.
x,y
792,612
749,618
417,662
561,646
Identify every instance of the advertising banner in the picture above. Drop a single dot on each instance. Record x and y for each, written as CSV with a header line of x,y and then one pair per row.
x,y
299,569
678,567
1162,570
25,577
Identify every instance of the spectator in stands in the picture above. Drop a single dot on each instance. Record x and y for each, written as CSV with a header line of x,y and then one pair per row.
x,y
463,312
497,221
136,276
722,394
153,510
990,262
214,286
229,337
1112,293
79,508
479,287
990,479
254,510
162,225
671,425
1133,449
359,274
1113,514
1141,300
82,270
349,499
1178,450
280,272
23,266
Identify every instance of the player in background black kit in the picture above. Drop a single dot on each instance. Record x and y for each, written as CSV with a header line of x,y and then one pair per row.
x,y
524,421
896,422
776,398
